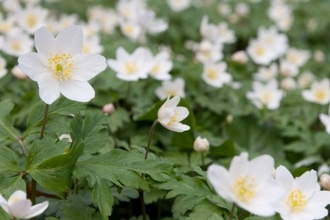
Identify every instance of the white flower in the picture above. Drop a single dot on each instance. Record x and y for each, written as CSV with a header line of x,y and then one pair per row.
x,y
60,68
16,43
92,45
225,34
132,67
240,57
325,119
325,181
266,74
288,69
319,92
297,57
170,115
179,5
281,14
305,79
172,88
215,74
303,199
248,184
201,144
7,24
288,83
31,18
267,95
208,51
162,66
18,206
260,52
208,31
131,30
3,69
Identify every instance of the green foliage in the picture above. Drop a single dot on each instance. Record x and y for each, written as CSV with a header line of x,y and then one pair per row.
x,y
6,122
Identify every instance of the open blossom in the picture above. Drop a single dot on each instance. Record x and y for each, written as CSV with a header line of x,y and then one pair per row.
x,y
170,115
248,184
59,67
266,74
16,42
179,5
267,95
208,51
260,52
297,57
303,199
215,74
325,119
318,93
18,206
162,66
132,67
172,88
278,42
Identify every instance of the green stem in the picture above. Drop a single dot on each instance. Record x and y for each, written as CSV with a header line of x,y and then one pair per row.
x,y
143,207
128,93
203,161
42,132
151,132
231,215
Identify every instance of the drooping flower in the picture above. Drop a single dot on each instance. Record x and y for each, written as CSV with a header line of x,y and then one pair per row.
x,y
248,184
303,198
132,67
170,115
18,206
318,93
267,95
59,67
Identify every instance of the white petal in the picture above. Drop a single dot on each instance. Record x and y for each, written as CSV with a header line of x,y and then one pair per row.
x,y
173,102
122,55
219,177
178,127
31,65
182,113
70,40
17,195
44,43
284,177
77,91
37,210
20,208
49,90
307,182
261,168
113,64
89,65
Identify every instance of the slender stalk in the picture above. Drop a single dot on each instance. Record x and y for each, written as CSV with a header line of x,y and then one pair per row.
x,y
20,141
42,132
112,135
128,93
231,215
143,207
203,160
151,132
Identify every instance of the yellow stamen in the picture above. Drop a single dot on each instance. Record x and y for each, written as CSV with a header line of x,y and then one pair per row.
x,y
212,74
31,20
174,119
131,67
296,200
244,188
61,65
260,50
15,45
320,94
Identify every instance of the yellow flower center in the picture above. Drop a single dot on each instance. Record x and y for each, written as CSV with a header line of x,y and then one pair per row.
x,y
244,188
296,200
174,119
260,50
265,97
12,200
31,20
155,70
15,45
128,29
131,67
320,94
61,65
212,74
5,27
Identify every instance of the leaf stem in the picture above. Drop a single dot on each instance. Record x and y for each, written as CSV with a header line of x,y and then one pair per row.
x,y
151,132
20,141
203,161
143,206
231,215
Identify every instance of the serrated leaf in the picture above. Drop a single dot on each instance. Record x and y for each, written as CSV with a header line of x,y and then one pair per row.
x,y
206,210
75,208
7,160
9,184
115,166
117,119
102,196
52,172
183,204
6,122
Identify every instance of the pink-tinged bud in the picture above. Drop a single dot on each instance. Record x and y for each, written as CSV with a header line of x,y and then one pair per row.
x,y
240,57
201,145
325,181
108,109
18,73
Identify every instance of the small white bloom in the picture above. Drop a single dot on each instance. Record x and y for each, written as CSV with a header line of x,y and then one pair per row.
x,y
260,52
6,25
318,93
266,74
223,9
325,181
267,95
178,5
109,109
303,199
225,35
31,18
248,184
92,45
240,57
242,9
319,56
215,74
170,115
3,69
18,73
281,14
162,66
18,206
288,83
16,43
208,51
132,67
172,88
325,119
288,69
297,57
201,144
60,68
131,30
305,79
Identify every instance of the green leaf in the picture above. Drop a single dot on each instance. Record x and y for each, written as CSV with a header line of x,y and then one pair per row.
x,y
275,217
4,215
183,204
226,149
75,208
117,119
9,184
6,122
206,210
50,165
102,196
115,166
7,160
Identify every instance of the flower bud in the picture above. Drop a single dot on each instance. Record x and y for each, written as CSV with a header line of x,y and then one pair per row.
x,y
325,181
240,57
201,145
108,109
18,73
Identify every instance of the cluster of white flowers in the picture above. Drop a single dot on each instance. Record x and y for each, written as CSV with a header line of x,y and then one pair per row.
x,y
252,186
